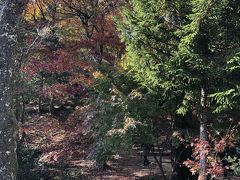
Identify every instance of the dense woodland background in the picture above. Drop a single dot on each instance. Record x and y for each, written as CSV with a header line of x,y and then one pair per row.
x,y
99,85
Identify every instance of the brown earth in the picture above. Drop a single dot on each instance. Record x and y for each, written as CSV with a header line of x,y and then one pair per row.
x,y
62,146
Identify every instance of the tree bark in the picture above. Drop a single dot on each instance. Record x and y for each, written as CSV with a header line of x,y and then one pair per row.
x,y
40,108
23,111
203,134
10,13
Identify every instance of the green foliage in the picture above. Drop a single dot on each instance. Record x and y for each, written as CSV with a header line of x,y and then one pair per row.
x,y
144,32
50,78
73,174
226,100
102,85
185,54
27,160
117,143
233,63
235,165
110,116
122,111
176,48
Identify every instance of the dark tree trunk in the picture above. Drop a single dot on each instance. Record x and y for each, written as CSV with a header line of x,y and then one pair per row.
x,y
40,108
17,108
10,13
203,133
203,50
23,112
51,106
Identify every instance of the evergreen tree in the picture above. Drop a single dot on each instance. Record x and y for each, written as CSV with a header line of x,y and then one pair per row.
x,y
187,48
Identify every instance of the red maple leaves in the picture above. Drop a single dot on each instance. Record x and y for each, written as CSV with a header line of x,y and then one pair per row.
x,y
211,149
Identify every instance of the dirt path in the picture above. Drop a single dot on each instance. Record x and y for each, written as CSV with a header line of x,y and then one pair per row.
x,y
130,166
63,153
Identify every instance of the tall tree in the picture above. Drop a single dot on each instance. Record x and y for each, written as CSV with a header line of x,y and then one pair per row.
x,y
182,48
10,13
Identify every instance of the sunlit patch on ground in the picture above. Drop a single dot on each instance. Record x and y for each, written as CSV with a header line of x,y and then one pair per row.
x,y
66,145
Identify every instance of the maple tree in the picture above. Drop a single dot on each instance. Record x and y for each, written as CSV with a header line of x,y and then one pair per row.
x,y
98,42
216,145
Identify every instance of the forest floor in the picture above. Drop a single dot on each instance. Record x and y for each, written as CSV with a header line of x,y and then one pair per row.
x,y
59,152
55,147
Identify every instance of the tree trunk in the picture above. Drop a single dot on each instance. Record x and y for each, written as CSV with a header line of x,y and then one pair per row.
x,y
23,111
40,96
10,13
203,134
51,106
17,108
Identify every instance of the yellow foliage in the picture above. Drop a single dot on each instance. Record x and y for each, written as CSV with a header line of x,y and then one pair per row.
x,y
98,74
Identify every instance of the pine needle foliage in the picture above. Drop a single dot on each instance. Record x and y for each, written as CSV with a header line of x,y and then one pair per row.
x,y
177,47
